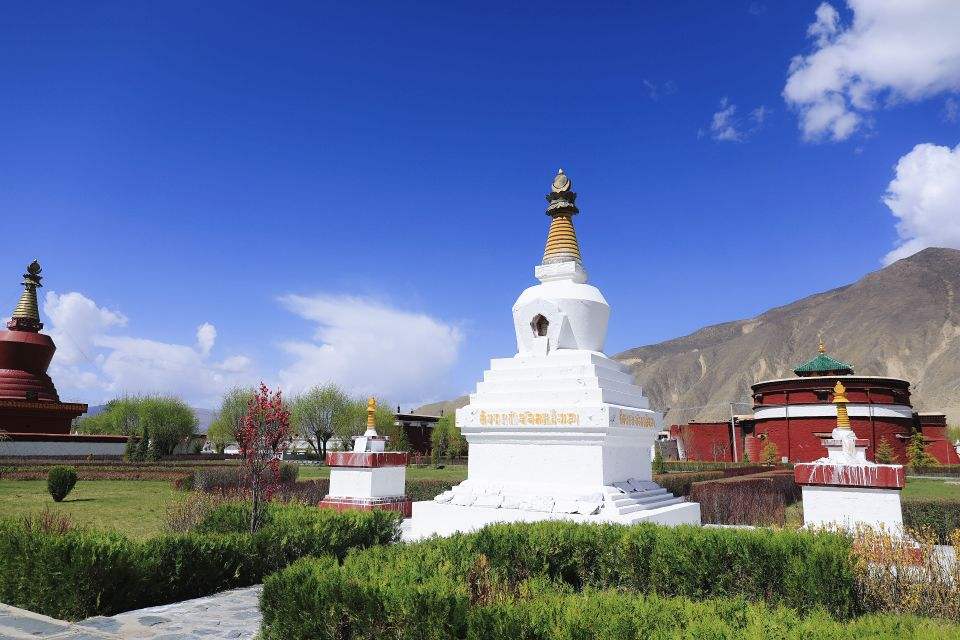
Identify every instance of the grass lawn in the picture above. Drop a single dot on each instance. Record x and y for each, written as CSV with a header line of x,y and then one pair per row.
x,y
133,507
929,488
137,507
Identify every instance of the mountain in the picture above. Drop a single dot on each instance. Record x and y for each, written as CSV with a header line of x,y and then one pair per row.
x,y
204,416
443,407
901,321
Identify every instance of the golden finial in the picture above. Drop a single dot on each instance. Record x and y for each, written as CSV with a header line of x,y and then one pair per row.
x,y
26,315
840,399
822,348
371,411
562,245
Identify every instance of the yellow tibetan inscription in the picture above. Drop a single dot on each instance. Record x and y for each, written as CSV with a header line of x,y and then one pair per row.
x,y
637,420
528,418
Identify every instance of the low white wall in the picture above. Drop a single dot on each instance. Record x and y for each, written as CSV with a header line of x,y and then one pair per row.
x,y
76,449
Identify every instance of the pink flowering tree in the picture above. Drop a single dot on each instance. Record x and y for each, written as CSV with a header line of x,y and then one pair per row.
x,y
263,437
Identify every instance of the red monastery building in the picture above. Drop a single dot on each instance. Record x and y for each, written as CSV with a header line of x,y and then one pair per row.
x,y
34,420
797,414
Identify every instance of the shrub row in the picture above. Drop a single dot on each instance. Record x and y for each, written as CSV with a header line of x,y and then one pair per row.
x,y
307,492
952,470
760,499
80,573
938,515
680,466
317,599
426,588
177,463
680,483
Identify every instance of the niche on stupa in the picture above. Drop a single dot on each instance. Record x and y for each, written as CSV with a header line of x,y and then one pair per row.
x,y
540,326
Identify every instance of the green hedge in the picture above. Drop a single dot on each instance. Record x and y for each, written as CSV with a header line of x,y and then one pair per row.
x,y
83,573
318,599
940,515
802,570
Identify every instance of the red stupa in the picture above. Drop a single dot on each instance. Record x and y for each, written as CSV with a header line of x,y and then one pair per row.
x,y
29,403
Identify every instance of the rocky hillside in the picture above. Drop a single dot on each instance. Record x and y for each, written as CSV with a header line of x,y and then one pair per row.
x,y
901,321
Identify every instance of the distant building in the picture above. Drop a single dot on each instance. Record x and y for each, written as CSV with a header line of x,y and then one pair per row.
x,y
418,429
796,414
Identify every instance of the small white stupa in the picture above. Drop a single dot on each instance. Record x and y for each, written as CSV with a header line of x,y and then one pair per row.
x,y
845,490
559,430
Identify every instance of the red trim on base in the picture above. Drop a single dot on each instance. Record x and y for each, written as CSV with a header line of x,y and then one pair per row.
x,y
373,459
401,504
883,476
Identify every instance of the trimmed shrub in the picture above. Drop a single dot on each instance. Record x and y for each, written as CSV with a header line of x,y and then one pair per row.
x,y
60,482
760,499
316,599
679,484
503,582
939,515
81,573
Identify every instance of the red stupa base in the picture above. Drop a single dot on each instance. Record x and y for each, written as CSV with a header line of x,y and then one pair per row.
x,y
400,504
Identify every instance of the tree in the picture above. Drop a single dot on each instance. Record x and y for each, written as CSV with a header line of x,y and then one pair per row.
x,y
142,451
265,435
917,452
770,454
658,464
315,414
166,419
885,453
446,439
169,420
230,418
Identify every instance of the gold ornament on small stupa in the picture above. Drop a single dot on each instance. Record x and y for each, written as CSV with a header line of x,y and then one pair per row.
x,y
840,399
371,412
562,245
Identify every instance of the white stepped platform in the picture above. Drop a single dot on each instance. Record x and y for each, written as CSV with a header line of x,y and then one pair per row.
x,y
438,519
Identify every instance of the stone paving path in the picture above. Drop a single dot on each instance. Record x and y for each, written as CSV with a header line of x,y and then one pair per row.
x,y
230,614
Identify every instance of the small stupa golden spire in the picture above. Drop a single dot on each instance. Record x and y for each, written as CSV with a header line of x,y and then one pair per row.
x,y
562,245
840,399
26,315
371,412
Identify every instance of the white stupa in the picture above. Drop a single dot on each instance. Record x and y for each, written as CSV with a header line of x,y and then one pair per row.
x,y
559,430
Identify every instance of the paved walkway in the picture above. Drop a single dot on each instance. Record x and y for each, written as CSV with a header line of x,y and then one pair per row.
x,y
229,614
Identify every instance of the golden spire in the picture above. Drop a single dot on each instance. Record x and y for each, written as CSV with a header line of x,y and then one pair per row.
x,y
840,399
562,245
822,348
26,316
371,411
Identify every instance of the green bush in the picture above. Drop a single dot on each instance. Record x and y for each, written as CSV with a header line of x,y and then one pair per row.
x,y
60,482
564,580
939,515
81,573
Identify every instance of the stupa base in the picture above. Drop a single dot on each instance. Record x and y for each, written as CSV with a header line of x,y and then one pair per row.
x,y
432,518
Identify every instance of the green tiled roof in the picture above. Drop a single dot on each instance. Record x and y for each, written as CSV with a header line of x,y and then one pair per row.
x,y
823,363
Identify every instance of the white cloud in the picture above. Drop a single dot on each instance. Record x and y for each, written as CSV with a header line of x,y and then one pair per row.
x,y
726,126
369,348
206,336
893,51
95,364
925,196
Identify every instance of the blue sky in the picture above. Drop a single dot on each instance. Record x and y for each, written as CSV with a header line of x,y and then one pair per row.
x,y
240,191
